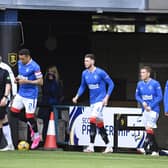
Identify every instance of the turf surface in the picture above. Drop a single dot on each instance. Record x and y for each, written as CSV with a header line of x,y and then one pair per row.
x,y
62,159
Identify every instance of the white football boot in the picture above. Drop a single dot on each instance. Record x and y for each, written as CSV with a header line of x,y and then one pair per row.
x,y
109,149
89,149
155,153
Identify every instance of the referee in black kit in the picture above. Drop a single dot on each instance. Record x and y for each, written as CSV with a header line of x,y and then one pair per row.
x,y
5,88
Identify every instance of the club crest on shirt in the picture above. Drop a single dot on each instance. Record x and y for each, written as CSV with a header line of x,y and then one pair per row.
x,y
150,87
95,76
12,59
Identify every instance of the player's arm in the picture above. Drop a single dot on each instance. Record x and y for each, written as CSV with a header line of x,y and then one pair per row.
x,y
138,95
165,100
12,78
159,96
37,81
13,84
139,99
80,90
110,88
7,89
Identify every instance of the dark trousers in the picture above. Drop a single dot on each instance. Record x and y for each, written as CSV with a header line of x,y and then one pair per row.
x,y
44,114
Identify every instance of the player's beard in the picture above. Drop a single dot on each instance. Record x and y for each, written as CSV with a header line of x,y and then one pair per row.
x,y
89,66
146,79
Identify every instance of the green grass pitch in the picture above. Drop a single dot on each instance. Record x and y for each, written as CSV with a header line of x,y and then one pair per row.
x,y
62,159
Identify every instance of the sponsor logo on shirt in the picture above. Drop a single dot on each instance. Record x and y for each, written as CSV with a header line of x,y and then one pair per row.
x,y
147,97
93,86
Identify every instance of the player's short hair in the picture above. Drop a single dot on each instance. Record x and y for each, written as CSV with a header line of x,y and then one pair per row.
x,y
91,56
24,51
147,68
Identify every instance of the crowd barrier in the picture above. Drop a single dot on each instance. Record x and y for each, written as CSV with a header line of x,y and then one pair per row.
x,y
124,126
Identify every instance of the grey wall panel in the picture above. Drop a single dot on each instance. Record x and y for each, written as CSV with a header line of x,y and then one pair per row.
x,y
158,4
110,4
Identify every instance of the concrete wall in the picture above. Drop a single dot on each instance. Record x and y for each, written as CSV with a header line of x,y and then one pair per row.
x,y
158,4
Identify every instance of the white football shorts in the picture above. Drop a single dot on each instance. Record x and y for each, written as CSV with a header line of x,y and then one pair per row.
x,y
150,119
20,102
97,110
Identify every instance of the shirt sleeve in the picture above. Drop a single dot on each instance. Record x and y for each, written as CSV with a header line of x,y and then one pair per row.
x,y
109,81
82,86
37,72
7,79
158,96
12,78
14,85
165,101
138,95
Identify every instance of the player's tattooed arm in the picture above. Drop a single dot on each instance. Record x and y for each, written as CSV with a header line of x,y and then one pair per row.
x,y
34,82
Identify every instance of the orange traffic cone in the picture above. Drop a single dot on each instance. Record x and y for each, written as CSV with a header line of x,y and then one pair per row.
x,y
50,142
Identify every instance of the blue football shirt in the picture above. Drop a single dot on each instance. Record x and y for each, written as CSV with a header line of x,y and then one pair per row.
x,y
29,71
166,97
149,92
96,82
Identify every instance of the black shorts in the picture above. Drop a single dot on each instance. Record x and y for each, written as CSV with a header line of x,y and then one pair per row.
x,y
2,112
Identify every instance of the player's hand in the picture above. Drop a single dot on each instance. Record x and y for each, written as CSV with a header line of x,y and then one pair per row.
x,y
16,80
11,101
166,114
144,104
75,100
22,81
105,101
3,102
148,109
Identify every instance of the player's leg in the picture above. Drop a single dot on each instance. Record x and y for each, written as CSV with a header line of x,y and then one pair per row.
x,y
104,135
102,131
150,123
2,116
100,125
16,106
151,141
30,107
143,148
7,133
151,129
93,131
